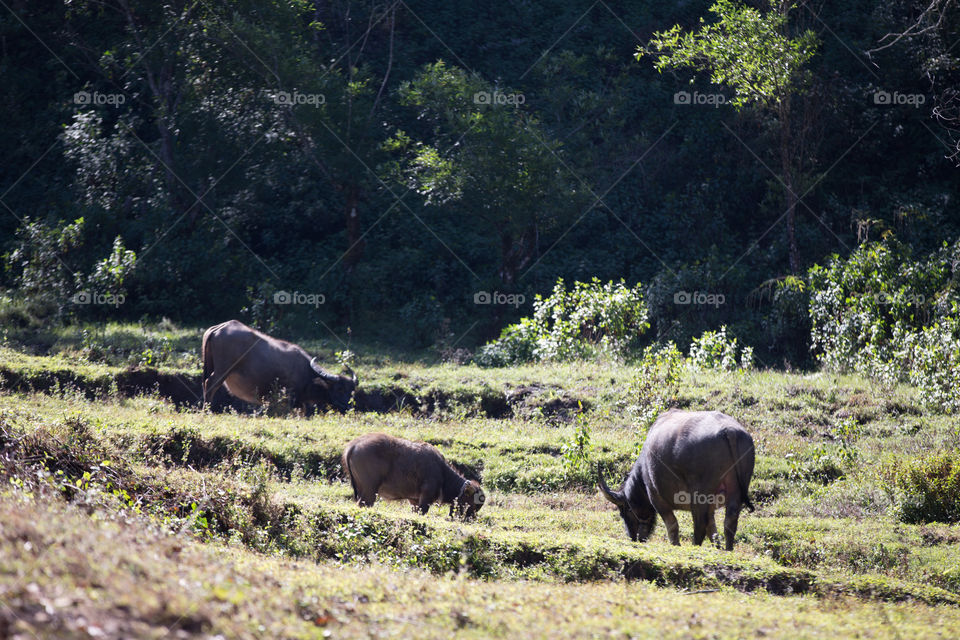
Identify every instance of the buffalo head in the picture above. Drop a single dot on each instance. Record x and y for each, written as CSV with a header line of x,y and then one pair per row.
x,y
470,500
639,516
329,388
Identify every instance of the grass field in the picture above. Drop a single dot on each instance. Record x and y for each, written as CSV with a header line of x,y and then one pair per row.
x,y
127,516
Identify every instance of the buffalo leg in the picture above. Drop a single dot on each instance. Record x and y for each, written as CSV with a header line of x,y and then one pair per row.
x,y
210,387
673,527
712,526
701,522
730,521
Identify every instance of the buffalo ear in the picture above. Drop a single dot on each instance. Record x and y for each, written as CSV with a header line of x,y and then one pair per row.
x,y
320,382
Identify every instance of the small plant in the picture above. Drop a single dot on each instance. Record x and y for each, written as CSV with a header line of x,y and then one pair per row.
x,y
155,351
576,452
277,402
346,357
655,382
846,433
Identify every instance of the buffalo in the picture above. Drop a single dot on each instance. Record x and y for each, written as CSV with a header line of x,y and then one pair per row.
x,y
692,461
250,363
398,469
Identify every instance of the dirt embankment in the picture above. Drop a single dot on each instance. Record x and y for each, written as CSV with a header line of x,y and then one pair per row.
x,y
185,391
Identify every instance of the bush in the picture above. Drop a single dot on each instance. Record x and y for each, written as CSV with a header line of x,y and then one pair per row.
x,y
516,345
858,305
40,258
931,360
714,350
891,318
926,489
591,320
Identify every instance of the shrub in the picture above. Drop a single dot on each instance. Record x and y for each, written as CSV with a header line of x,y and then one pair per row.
x,y
714,350
110,274
590,320
40,258
891,318
926,489
516,345
930,359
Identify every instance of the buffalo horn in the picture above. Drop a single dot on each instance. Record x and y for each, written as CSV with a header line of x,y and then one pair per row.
x,y
320,372
615,497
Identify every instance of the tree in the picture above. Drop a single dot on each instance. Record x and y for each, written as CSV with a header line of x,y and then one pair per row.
x,y
753,54
484,158
930,39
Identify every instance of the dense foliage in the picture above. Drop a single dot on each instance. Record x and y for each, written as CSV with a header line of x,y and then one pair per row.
x,y
890,316
392,161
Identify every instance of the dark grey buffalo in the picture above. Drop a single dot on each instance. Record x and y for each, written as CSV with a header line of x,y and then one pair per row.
x,y
398,469
249,363
693,461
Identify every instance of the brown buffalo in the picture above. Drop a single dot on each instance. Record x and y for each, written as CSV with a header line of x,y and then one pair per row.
x,y
249,363
399,469
692,461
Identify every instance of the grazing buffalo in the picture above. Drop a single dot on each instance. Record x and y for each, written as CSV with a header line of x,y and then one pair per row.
x,y
249,363
399,469
693,461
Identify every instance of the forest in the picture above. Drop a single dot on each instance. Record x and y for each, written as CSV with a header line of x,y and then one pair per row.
x,y
383,167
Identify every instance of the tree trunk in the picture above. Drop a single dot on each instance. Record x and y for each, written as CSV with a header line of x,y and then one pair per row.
x,y
516,256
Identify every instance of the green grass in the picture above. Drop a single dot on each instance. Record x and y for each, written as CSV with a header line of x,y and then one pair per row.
x,y
147,583
824,548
